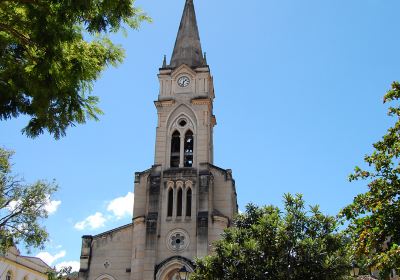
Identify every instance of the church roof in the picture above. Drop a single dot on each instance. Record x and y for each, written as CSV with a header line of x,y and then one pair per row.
x,y
14,256
187,48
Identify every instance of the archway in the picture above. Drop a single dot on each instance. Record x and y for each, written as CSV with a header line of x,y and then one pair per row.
x,y
105,277
173,275
168,269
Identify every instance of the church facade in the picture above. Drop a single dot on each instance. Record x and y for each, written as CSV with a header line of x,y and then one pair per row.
x,y
183,202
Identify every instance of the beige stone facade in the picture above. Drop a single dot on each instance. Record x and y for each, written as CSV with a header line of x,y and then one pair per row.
x,y
183,202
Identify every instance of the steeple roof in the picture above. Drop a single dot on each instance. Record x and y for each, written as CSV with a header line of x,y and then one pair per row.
x,y
187,48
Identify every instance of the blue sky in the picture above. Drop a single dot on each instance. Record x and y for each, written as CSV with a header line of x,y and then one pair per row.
x,y
299,87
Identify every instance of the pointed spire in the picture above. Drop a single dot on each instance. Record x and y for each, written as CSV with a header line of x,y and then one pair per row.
x,y
164,63
187,48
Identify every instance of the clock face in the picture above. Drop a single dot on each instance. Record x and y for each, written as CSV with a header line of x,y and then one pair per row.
x,y
183,81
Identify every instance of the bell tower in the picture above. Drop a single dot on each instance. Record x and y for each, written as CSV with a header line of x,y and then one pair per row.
x,y
185,101
183,202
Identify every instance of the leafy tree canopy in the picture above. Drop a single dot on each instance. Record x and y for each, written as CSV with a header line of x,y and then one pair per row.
x,y
375,215
265,243
22,206
47,68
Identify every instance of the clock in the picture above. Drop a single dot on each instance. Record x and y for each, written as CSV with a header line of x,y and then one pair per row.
x,y
183,81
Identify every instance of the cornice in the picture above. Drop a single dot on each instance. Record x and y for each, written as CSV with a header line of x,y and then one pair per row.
x,y
164,103
201,101
221,220
139,220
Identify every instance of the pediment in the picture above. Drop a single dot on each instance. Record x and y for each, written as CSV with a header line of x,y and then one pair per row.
x,y
183,69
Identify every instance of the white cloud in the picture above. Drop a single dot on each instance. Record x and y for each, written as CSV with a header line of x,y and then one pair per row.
x,y
49,258
14,205
94,221
121,206
74,264
50,206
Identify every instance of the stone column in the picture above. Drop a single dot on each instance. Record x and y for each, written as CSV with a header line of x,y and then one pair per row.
x,y
182,151
138,248
202,216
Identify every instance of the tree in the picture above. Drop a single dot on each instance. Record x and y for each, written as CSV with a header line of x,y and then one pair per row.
x,y
22,206
47,68
65,273
374,216
265,243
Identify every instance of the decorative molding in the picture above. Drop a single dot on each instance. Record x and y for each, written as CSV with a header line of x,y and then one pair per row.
x,y
105,276
202,101
170,184
164,103
170,264
177,240
139,220
182,129
181,70
189,184
107,264
179,184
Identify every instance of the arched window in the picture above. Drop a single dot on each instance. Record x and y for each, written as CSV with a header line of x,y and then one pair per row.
x,y
179,203
188,156
175,149
170,202
189,202
9,275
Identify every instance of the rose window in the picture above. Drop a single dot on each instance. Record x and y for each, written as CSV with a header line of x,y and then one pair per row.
x,y
177,240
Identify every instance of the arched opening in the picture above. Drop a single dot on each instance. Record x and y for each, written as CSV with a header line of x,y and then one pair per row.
x,y
173,275
105,277
188,151
170,202
189,202
179,203
175,149
167,270
9,275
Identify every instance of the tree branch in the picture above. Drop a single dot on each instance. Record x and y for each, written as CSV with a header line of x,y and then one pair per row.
x,y
16,229
16,33
6,204
5,219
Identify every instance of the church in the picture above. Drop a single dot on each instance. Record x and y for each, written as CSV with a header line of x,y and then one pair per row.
x,y
183,202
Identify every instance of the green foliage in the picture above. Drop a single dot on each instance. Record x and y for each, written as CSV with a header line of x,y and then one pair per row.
x,y
22,206
375,215
47,68
64,273
266,243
